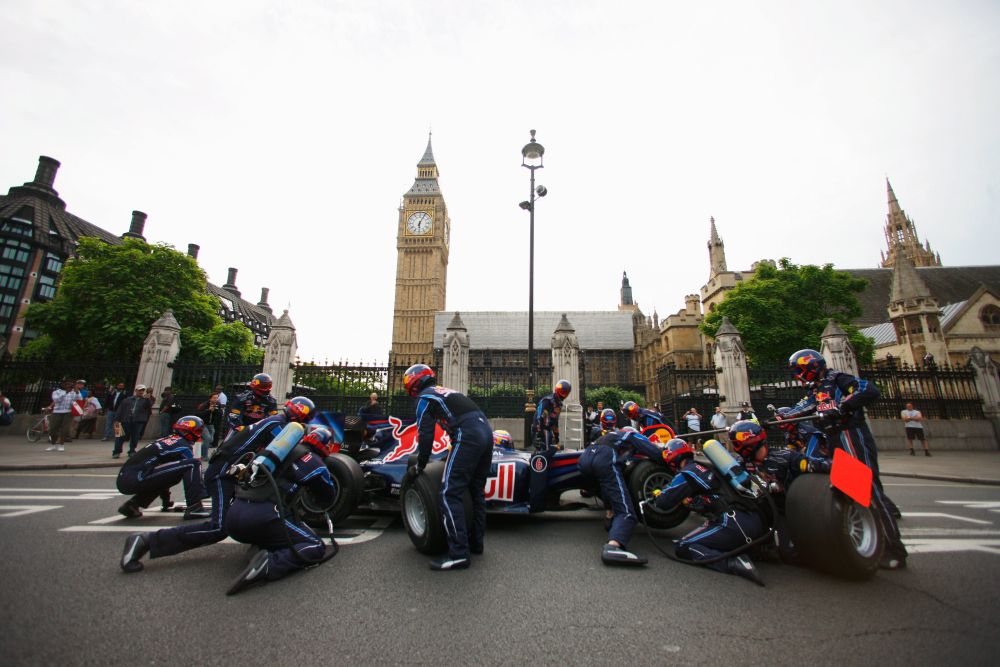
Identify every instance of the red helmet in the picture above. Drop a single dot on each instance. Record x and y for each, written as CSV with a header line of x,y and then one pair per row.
x,y
503,439
260,384
806,365
562,389
674,450
299,409
608,419
631,409
417,377
746,437
189,427
321,439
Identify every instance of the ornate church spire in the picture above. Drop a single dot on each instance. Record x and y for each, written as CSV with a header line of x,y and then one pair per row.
x,y
716,252
901,237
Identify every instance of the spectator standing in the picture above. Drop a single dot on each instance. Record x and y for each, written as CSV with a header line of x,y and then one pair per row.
x,y
223,399
132,415
81,386
719,419
746,412
169,412
914,423
6,412
211,412
372,408
693,419
112,400
88,420
62,414
152,401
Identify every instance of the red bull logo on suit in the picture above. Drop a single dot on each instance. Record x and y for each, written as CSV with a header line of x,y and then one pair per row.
x,y
406,439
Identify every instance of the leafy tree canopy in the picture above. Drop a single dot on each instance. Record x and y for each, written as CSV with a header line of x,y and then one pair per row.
x,y
110,295
785,308
612,397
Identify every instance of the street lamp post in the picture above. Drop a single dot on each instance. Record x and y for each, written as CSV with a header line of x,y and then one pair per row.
x,y
531,159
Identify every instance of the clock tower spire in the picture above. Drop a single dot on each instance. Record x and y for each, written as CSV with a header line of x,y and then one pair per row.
x,y
422,240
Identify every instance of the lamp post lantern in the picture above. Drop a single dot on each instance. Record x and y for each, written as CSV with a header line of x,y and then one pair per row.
x,y
531,159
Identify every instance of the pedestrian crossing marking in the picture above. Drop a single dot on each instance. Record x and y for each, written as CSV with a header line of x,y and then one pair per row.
x,y
21,510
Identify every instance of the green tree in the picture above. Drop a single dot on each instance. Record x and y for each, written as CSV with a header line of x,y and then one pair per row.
x,y
612,397
109,295
785,308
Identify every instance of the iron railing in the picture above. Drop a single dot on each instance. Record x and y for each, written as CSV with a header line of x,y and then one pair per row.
x,y
29,384
192,384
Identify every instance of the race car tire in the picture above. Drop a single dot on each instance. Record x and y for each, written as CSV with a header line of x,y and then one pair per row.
x,y
641,479
830,531
349,483
421,510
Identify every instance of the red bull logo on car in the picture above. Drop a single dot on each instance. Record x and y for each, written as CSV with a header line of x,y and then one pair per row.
x,y
501,487
406,439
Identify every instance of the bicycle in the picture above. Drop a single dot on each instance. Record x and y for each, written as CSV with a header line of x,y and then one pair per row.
x,y
39,428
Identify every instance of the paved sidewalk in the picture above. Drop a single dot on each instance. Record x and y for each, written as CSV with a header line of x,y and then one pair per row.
x,y
977,467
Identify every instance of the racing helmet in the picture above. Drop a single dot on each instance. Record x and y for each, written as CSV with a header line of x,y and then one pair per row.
x,y
503,439
321,439
675,450
806,365
608,419
417,377
562,389
189,428
299,409
747,436
631,409
260,384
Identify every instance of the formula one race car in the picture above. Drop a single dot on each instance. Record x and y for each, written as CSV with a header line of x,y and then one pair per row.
x,y
520,482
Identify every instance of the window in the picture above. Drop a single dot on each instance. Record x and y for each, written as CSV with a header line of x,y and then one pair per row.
x,y
53,262
46,287
990,317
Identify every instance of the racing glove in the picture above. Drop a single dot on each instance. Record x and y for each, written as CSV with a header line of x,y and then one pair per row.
x,y
413,469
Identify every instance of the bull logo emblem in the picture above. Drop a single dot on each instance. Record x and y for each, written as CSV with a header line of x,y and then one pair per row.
x,y
406,439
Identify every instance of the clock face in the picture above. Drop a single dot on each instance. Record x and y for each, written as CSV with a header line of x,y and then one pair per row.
x,y
419,223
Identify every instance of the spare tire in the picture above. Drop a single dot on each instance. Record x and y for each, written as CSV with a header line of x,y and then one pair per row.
x,y
642,479
349,484
830,531
421,508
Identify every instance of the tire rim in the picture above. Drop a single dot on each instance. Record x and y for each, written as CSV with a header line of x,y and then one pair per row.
x,y
416,513
658,480
314,509
862,530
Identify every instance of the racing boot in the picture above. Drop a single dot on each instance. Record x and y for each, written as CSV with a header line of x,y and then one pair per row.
x,y
255,574
450,563
197,511
742,566
130,509
136,546
166,503
613,555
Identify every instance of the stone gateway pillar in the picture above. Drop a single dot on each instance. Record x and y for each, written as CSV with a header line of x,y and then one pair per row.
x,y
836,349
455,366
731,364
566,366
162,345
279,357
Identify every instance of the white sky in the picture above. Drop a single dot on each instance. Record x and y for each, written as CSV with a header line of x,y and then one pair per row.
x,y
280,136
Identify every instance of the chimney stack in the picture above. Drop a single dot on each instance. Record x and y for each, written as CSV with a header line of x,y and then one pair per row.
x,y
193,249
136,227
45,175
230,285
262,304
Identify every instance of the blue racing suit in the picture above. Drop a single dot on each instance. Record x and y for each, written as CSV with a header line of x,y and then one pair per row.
x,y
249,408
158,466
727,526
221,488
545,428
849,395
779,469
468,463
604,461
255,517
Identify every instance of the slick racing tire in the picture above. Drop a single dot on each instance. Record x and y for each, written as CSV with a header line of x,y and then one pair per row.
x,y
349,483
421,509
642,479
830,531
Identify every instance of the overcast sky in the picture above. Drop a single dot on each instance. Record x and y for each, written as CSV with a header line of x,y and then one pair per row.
x,y
280,136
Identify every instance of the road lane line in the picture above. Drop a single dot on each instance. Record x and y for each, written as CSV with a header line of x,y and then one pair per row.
x,y
107,496
21,510
908,515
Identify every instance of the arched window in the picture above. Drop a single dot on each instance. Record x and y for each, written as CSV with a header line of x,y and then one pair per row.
x,y
990,317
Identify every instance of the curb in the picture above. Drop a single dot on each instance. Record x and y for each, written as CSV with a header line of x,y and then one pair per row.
x,y
943,478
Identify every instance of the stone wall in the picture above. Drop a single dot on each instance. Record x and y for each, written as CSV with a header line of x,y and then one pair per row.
x,y
953,434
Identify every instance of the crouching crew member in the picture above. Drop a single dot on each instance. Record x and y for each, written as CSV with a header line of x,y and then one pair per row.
x,y
261,517
468,463
545,428
254,404
221,487
154,469
839,398
604,461
730,522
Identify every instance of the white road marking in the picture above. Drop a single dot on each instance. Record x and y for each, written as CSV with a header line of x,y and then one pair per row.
x,y
973,504
908,515
26,490
85,496
21,510
55,474
957,532
929,546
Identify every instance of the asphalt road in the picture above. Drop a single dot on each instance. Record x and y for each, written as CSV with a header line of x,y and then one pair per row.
x,y
538,595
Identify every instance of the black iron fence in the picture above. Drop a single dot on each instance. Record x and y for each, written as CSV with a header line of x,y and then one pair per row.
x,y
29,384
346,387
686,387
192,384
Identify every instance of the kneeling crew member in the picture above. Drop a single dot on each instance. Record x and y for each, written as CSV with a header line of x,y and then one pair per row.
x,y
221,488
468,463
604,461
154,469
258,516
730,524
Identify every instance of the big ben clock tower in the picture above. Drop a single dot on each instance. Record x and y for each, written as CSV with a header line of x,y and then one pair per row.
x,y
422,238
